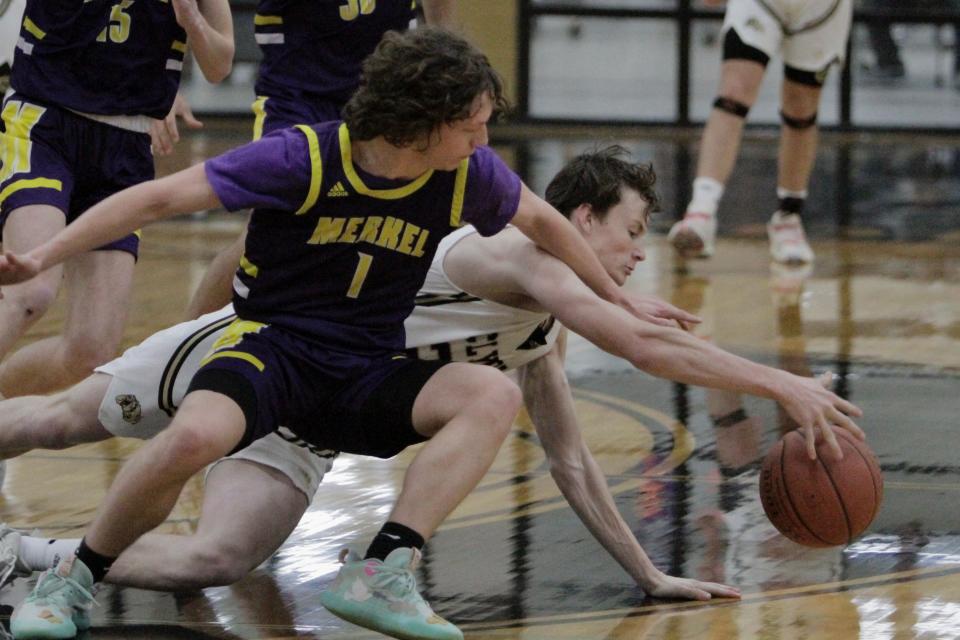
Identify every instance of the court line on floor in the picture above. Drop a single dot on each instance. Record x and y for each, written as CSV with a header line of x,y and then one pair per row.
x,y
748,598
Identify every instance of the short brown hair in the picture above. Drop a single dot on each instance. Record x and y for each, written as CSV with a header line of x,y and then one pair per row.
x,y
596,177
416,81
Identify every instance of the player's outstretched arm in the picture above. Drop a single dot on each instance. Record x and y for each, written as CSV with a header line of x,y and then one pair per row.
x,y
119,215
677,355
209,28
546,394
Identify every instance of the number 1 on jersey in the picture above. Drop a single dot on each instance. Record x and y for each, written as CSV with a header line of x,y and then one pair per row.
x,y
360,274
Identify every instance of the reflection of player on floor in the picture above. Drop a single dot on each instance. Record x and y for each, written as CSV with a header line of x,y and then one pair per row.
x,y
812,36
89,81
312,54
511,325
364,203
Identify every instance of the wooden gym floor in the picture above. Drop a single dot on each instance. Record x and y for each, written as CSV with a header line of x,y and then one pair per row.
x,y
881,308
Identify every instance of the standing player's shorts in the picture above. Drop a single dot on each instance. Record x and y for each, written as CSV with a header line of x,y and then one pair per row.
x,y
150,380
338,400
272,113
812,34
53,156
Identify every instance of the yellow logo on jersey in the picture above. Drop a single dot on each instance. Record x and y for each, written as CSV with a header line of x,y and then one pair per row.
x,y
389,232
337,191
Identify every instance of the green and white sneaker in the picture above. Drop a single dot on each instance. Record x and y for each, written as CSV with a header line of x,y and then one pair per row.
x,y
383,596
11,566
59,604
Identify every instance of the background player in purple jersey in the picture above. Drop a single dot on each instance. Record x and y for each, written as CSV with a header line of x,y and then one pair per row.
x,y
312,52
89,79
346,220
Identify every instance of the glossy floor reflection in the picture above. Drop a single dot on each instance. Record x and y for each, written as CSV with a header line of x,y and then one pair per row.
x,y
514,562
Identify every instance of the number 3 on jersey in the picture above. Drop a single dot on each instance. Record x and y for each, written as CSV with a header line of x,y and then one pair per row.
x,y
363,267
353,8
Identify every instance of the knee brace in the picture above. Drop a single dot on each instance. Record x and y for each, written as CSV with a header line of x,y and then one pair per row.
x,y
798,123
731,106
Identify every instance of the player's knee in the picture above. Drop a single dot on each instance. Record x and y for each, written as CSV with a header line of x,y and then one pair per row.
x,y
216,565
501,397
33,298
186,447
798,123
732,106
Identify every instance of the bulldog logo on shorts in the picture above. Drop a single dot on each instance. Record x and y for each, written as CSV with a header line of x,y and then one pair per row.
x,y
130,407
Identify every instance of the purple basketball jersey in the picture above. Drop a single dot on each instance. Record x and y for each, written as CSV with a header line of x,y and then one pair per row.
x,y
100,56
337,255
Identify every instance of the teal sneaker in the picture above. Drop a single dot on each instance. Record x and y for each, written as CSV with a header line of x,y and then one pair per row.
x,y
383,596
59,604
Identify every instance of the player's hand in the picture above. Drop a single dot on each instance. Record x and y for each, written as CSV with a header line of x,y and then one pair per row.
x,y
653,309
164,133
814,407
187,13
664,586
15,269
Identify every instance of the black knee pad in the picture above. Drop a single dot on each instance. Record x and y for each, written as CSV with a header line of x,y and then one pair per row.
x,y
731,106
808,78
736,49
798,123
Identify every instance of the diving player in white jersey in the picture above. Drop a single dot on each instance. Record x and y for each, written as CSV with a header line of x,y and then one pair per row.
x,y
492,300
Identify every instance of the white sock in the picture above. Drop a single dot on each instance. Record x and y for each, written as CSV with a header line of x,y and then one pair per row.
x,y
42,553
787,193
706,196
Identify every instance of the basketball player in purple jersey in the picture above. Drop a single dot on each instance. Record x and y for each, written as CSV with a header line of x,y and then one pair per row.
x,y
347,217
89,78
312,52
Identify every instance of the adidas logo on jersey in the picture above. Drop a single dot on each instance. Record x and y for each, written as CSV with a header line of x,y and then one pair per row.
x,y
337,191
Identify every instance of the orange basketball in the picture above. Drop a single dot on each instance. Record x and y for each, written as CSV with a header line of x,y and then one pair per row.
x,y
823,502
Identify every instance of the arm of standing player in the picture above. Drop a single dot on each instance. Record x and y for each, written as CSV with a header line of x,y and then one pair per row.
x,y
546,394
113,218
209,27
551,231
441,13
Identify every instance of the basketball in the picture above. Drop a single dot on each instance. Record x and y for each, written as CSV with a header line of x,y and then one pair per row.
x,y
823,502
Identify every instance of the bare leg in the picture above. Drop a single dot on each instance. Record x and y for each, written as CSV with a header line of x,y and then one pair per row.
x,y
216,288
24,304
98,285
470,409
695,235
248,511
53,422
740,81
798,147
206,428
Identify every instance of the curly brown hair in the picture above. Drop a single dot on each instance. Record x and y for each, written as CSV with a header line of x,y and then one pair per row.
x,y
596,177
416,81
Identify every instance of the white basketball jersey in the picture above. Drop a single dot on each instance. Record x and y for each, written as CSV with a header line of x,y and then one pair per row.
x,y
11,15
450,324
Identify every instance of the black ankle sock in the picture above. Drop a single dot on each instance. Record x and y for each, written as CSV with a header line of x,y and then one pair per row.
x,y
792,205
98,564
393,536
